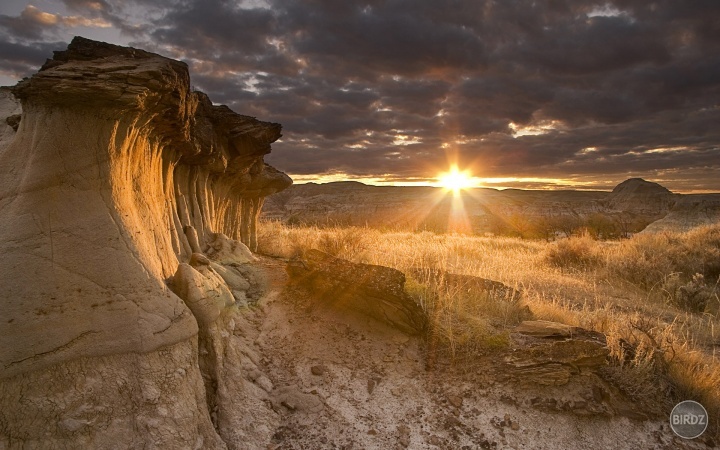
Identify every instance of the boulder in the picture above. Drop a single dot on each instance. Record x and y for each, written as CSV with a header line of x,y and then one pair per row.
x,y
202,290
224,250
375,291
468,283
554,352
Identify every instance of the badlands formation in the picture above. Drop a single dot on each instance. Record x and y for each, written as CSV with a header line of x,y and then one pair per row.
x,y
134,313
116,184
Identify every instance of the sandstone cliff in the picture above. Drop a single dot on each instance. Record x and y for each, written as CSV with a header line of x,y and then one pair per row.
x,y
116,175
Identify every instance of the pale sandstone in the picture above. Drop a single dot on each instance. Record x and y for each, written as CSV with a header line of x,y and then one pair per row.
x,y
113,181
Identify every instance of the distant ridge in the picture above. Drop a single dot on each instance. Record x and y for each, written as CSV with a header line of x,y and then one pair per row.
x,y
629,207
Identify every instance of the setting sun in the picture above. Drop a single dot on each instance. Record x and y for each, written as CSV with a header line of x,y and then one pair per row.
x,y
455,180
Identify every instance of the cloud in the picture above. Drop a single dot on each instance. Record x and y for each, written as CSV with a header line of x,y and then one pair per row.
x,y
552,88
33,23
18,59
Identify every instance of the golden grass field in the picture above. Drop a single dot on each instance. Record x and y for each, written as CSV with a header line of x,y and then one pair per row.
x,y
654,296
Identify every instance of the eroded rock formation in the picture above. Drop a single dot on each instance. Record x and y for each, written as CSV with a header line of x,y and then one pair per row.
x,y
374,291
118,178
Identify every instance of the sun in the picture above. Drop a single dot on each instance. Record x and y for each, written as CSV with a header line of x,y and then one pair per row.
x,y
455,180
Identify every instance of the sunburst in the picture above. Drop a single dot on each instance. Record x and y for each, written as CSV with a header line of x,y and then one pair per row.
x,y
455,180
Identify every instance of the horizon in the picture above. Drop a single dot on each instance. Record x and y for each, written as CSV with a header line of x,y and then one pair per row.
x,y
573,95
494,186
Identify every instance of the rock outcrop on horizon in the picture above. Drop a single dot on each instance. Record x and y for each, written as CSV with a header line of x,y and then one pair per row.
x,y
115,182
641,197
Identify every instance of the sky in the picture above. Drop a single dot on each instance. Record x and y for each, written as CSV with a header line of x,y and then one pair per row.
x,y
528,94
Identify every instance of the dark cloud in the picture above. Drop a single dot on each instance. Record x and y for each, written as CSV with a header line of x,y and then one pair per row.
x,y
580,90
19,60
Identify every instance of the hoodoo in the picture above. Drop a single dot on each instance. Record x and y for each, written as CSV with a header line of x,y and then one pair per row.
x,y
119,176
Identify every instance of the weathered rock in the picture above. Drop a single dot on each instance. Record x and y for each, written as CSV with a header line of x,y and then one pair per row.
x,y
116,174
231,276
688,212
292,399
110,402
468,283
10,109
550,361
375,291
224,250
318,370
641,197
192,237
203,291
115,157
455,400
544,328
404,435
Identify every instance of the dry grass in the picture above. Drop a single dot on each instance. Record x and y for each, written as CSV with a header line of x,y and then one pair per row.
x,y
576,252
642,292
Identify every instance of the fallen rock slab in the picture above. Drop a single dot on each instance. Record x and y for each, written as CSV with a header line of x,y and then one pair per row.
x,y
544,329
371,290
467,283
556,352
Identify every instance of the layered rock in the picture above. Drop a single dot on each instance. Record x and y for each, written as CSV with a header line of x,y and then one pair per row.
x,y
467,283
371,290
556,352
117,174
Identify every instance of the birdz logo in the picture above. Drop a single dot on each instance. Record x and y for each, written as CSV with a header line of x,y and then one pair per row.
x,y
688,419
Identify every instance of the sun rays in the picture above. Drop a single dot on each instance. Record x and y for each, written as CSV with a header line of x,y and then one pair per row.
x,y
455,180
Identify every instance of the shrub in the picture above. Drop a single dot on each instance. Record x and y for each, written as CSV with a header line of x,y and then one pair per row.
x,y
347,243
576,252
647,260
693,296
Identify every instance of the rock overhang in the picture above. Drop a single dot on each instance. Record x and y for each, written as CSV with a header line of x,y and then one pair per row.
x,y
115,156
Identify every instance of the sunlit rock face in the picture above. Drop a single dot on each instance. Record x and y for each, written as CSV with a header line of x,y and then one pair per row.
x,y
114,174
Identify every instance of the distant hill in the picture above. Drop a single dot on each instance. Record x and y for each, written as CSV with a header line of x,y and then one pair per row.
x,y
630,207
641,197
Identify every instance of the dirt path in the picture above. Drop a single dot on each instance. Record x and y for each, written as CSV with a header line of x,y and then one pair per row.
x,y
350,382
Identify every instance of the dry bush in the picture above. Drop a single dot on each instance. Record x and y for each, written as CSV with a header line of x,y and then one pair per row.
x,y
644,260
281,241
347,243
276,239
647,259
575,252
